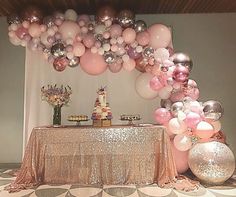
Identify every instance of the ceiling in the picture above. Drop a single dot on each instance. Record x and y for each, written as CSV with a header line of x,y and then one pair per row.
x,y
8,7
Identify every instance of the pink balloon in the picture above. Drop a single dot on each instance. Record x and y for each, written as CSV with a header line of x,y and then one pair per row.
x,y
34,30
143,38
78,49
204,130
92,63
129,35
115,31
89,40
155,83
182,142
180,158
115,67
216,125
162,115
84,18
192,119
160,36
69,29
21,32
129,65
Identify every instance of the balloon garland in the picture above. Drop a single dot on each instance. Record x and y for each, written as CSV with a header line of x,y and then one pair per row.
x,y
115,41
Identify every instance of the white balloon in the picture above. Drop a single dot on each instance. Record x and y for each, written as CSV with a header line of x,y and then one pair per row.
x,y
165,92
143,88
176,126
70,14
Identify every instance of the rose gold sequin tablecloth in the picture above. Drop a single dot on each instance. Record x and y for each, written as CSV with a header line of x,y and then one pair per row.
x,y
88,155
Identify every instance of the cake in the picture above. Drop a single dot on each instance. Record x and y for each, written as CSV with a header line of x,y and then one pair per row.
x,y
102,114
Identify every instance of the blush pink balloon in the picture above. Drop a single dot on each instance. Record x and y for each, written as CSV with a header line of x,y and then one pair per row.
x,y
181,73
160,36
84,18
204,130
180,158
89,40
34,30
155,83
78,49
129,65
129,35
192,119
21,32
115,67
69,29
162,115
143,38
92,63
115,31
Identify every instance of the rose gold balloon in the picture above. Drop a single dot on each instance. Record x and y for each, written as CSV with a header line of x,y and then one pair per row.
x,y
105,13
60,63
140,65
32,14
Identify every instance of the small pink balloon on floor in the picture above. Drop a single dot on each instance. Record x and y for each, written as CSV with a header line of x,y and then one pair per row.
x,y
92,63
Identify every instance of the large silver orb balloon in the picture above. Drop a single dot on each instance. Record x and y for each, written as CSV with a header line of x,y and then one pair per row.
x,y
183,59
140,26
176,107
213,110
58,50
166,103
212,162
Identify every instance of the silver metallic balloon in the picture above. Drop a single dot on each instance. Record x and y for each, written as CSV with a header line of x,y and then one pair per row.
x,y
109,57
213,110
183,59
148,52
212,162
126,18
166,103
73,62
176,107
58,49
140,26
13,19
48,21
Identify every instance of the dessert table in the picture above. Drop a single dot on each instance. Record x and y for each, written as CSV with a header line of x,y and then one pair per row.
x,y
97,155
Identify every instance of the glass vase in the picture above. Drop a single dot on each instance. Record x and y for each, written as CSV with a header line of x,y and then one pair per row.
x,y
57,115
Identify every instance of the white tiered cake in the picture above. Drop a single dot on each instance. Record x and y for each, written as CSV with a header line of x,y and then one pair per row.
x,y
101,115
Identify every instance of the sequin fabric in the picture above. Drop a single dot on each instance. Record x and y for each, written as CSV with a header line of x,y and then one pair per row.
x,y
89,155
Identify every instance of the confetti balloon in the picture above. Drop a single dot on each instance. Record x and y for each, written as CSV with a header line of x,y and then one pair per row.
x,y
212,162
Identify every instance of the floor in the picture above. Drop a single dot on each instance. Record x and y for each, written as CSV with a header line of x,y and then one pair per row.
x,y
6,177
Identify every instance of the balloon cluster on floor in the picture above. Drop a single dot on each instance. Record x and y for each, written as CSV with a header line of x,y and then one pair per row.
x,y
112,40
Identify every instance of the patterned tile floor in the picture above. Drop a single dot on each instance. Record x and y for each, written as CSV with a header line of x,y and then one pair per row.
x,y
226,190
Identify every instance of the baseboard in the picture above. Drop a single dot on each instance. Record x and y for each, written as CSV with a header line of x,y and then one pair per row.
x,y
9,165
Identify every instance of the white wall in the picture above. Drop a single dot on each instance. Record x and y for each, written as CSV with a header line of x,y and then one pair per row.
x,y
208,38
